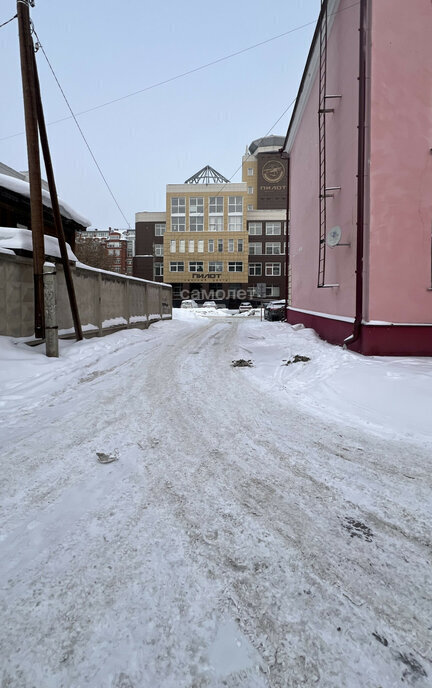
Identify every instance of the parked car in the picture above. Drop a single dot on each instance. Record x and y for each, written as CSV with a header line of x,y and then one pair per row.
x,y
275,310
245,306
188,303
209,304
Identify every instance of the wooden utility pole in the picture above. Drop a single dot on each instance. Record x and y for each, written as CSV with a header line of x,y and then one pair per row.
x,y
36,207
55,205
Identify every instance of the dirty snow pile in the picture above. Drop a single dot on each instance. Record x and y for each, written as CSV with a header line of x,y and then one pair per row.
x,y
172,520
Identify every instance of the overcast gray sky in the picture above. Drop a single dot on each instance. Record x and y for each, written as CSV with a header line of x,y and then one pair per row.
x,y
102,51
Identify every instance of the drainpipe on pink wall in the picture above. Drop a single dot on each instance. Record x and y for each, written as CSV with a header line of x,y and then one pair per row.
x,y
287,158
360,176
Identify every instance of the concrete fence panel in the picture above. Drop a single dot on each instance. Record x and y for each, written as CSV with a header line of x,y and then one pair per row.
x,y
106,301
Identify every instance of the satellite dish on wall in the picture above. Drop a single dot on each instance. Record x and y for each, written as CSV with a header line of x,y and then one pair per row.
x,y
334,236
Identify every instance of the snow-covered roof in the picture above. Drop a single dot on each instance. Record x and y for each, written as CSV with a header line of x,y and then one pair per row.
x,y
12,239
21,186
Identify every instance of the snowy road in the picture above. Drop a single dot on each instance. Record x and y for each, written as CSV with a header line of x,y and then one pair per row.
x,y
240,539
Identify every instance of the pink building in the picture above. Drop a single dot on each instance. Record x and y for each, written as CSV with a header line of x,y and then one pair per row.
x,y
360,151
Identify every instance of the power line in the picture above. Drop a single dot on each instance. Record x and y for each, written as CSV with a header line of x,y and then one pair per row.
x,y
176,77
81,131
259,141
9,20
183,74
263,137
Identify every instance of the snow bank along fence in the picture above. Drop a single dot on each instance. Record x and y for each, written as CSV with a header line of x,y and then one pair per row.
x,y
106,301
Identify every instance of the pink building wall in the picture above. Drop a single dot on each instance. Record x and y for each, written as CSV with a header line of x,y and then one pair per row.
x,y
401,162
342,72
398,182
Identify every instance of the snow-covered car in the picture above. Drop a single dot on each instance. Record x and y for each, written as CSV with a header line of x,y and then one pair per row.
x,y
209,304
245,306
188,303
275,310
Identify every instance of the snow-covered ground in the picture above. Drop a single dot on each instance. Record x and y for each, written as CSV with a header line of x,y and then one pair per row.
x,y
264,526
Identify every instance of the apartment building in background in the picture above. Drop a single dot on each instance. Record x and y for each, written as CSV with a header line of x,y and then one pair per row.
x,y
217,239
119,245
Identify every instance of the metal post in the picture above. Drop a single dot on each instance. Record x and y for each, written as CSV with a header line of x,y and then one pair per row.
x,y
36,207
126,302
160,303
98,303
51,327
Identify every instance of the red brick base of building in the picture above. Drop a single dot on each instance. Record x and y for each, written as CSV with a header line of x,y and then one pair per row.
x,y
374,340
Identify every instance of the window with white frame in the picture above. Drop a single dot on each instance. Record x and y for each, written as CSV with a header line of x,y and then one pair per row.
x,y
273,228
255,228
196,223
230,245
191,247
273,248
182,246
172,246
158,269
220,245
158,250
216,205
250,206
255,269
273,269
235,223
250,190
255,248
240,245
215,223
250,171
196,266
201,246
235,205
272,291
211,245
196,206
178,223
177,266
160,228
215,266
235,267
178,206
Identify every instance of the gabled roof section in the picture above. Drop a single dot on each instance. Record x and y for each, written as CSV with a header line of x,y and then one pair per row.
x,y
207,176
18,183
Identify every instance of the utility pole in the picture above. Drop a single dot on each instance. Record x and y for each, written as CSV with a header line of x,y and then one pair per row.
x,y
55,205
36,207
35,123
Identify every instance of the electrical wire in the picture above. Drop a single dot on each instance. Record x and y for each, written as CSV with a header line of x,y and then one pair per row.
x,y
263,137
176,77
9,20
40,46
183,74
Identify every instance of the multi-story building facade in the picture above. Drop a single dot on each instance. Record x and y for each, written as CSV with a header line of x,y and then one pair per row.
x,y
119,245
217,239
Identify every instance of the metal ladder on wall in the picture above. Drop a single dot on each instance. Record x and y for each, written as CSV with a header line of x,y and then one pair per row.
x,y
324,190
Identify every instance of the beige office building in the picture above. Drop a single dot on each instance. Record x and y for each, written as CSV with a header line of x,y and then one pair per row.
x,y
217,239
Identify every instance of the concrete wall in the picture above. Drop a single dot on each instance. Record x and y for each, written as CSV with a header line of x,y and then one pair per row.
x,y
106,301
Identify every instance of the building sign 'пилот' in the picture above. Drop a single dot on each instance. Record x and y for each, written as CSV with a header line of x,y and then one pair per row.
x,y
272,181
